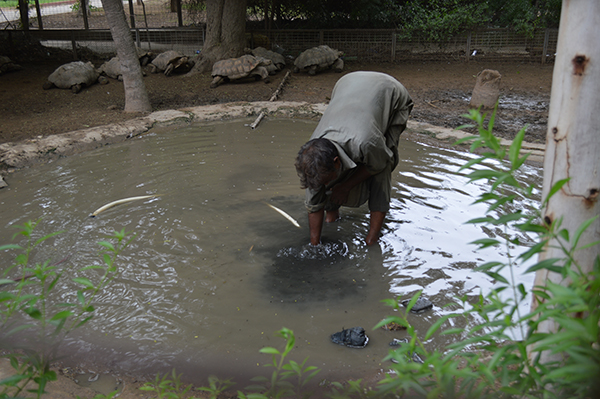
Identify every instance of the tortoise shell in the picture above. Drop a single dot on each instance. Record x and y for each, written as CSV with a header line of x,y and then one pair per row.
x,y
322,56
236,68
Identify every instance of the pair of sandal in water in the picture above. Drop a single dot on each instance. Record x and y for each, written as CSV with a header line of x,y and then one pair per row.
x,y
356,338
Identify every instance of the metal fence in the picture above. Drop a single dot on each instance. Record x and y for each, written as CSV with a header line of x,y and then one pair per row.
x,y
161,25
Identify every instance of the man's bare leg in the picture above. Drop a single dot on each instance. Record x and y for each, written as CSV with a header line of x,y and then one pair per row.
x,y
332,216
375,227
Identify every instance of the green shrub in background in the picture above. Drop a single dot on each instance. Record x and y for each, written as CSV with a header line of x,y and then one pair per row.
x,y
27,308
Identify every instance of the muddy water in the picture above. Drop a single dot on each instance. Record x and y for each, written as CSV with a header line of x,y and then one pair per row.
x,y
214,271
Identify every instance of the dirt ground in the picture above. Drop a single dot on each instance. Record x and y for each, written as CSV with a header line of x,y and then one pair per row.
x,y
441,92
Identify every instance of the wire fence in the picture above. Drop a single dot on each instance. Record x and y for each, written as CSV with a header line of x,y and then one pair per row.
x,y
160,25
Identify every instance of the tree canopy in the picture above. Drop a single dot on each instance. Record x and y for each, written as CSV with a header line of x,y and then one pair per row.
x,y
432,19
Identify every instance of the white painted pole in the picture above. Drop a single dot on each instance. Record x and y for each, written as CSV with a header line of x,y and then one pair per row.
x,y
573,138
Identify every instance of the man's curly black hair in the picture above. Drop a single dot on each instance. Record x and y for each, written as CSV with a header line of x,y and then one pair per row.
x,y
315,161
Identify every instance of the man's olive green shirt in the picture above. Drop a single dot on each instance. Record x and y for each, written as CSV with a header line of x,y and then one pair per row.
x,y
364,119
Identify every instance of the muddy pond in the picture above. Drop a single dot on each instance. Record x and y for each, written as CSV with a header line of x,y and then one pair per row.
x,y
214,272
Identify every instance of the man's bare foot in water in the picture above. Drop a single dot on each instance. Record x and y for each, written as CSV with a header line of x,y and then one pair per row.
x,y
372,238
375,227
332,216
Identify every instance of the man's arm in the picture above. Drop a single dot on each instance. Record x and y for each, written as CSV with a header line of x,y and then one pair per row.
x,y
315,225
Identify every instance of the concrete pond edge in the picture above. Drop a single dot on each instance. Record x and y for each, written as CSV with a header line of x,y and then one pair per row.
x,y
17,155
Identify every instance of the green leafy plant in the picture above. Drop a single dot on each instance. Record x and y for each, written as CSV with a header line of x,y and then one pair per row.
x,y
486,360
216,386
77,6
279,385
166,387
109,395
28,308
352,389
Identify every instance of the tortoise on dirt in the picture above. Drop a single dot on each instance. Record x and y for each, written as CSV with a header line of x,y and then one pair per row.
x,y
238,68
112,67
277,60
171,61
145,56
7,65
319,58
74,76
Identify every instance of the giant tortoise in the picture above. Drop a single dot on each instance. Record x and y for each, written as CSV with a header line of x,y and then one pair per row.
x,y
112,67
319,58
7,65
74,76
171,61
238,68
277,60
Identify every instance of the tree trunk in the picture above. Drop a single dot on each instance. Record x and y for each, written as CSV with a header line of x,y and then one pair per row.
x,y
38,12
225,33
136,97
573,140
24,12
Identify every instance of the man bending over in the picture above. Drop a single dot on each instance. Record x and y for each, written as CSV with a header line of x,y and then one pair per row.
x,y
352,152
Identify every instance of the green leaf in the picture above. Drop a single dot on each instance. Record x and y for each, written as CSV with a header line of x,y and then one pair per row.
x,y
10,246
555,188
581,229
546,264
53,282
108,245
486,219
269,350
485,174
256,396
531,227
521,160
13,380
583,372
536,249
435,326
487,266
510,218
471,162
34,313
497,276
486,242
412,301
564,234
515,148
82,322
84,281
107,260
80,297
62,315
